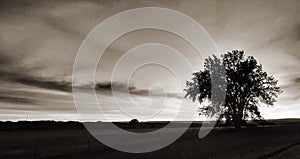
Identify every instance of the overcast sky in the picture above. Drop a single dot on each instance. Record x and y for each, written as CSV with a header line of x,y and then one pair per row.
x,y
40,39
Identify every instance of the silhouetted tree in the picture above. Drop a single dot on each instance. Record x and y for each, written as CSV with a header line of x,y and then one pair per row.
x,y
133,123
242,80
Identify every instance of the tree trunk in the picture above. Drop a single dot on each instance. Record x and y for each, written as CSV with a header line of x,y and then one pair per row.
x,y
237,125
237,121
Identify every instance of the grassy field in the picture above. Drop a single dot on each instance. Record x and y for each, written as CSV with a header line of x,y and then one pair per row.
x,y
71,140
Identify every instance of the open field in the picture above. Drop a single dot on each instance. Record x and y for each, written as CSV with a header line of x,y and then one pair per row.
x,y
71,140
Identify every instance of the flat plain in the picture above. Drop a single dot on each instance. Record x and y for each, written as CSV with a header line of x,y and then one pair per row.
x,y
280,139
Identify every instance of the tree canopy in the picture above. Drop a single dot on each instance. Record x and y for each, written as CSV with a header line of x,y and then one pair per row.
x,y
243,82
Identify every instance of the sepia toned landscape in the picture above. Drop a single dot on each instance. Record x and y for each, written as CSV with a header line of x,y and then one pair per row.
x,y
147,79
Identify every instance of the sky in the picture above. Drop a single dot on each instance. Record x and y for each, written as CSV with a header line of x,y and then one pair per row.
x,y
39,41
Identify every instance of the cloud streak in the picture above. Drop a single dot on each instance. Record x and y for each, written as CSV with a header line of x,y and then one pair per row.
x,y
16,100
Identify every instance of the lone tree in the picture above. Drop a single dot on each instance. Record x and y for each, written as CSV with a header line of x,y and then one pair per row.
x,y
242,80
133,123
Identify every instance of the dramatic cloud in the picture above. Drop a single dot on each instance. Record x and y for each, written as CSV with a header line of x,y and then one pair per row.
x,y
39,41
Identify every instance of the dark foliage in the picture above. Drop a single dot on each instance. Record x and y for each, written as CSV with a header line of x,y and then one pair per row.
x,y
133,123
243,83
